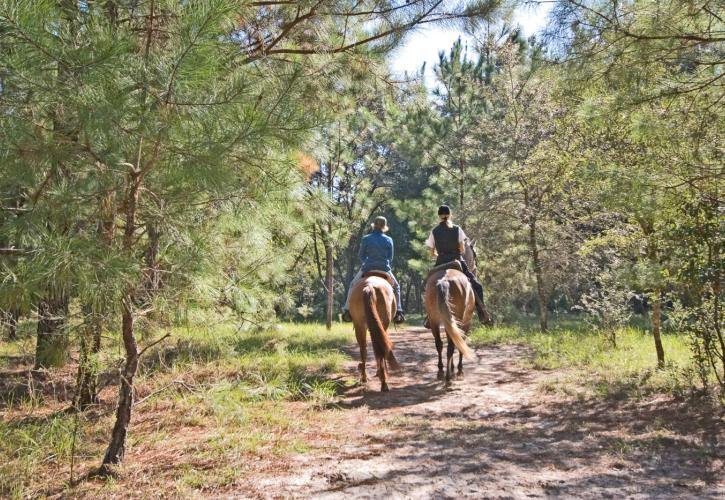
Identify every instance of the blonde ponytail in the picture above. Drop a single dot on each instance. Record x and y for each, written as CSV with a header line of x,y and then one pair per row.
x,y
446,219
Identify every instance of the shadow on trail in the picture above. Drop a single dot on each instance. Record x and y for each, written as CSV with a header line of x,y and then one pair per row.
x,y
414,384
493,434
408,395
563,448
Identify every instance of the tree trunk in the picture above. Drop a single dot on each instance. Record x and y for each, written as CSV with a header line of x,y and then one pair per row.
x,y
90,340
419,295
87,376
329,257
653,257
316,252
716,315
538,272
351,252
97,332
656,326
406,300
86,394
52,344
117,447
462,194
152,273
11,320
329,281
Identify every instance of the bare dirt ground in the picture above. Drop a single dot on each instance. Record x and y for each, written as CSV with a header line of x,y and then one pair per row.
x,y
496,434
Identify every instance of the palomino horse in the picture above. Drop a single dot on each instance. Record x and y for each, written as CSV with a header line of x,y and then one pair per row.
x,y
372,306
449,301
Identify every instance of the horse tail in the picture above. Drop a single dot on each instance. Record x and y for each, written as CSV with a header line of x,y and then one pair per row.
x,y
382,346
454,332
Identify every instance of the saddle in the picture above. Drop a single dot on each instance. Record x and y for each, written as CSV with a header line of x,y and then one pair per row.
x,y
379,274
454,264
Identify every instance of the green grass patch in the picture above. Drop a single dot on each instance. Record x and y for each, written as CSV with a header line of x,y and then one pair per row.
x,y
629,369
237,390
288,362
37,449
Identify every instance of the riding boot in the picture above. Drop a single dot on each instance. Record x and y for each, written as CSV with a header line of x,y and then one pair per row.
x,y
483,315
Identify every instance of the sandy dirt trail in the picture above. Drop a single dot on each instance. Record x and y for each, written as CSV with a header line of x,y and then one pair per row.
x,y
496,434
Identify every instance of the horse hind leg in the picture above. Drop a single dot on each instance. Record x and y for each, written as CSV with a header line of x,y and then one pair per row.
x,y
439,347
362,342
449,360
382,374
459,374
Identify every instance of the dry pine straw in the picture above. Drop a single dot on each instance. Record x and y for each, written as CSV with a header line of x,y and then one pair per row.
x,y
177,445
180,439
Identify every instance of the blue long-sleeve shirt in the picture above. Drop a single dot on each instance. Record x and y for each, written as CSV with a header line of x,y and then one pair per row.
x,y
376,252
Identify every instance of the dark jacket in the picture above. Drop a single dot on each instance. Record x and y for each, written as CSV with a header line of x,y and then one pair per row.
x,y
446,241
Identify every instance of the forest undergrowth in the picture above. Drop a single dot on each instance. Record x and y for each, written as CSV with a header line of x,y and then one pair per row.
x,y
594,367
208,401
214,402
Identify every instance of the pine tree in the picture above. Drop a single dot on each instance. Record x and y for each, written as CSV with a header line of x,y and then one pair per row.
x,y
150,146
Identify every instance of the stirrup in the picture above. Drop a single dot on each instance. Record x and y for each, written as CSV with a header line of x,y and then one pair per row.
x,y
346,316
484,317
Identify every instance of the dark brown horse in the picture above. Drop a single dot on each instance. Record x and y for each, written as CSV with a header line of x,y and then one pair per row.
x,y
372,306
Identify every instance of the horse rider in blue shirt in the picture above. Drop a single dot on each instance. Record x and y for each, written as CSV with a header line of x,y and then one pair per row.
x,y
376,254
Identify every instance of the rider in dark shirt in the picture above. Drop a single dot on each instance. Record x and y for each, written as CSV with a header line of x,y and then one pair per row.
x,y
447,243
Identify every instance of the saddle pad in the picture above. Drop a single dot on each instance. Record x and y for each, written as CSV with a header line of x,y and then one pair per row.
x,y
379,274
454,264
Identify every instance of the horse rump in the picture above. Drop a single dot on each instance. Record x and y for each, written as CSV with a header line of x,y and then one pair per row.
x,y
454,332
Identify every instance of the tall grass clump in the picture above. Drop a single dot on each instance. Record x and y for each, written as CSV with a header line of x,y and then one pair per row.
x,y
627,368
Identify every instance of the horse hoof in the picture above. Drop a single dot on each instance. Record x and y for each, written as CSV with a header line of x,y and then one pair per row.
x,y
384,388
459,374
441,375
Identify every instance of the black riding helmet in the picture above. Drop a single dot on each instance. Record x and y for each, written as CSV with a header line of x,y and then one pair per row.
x,y
444,210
